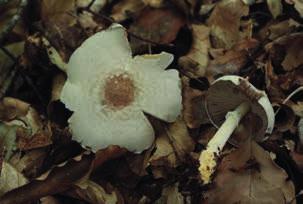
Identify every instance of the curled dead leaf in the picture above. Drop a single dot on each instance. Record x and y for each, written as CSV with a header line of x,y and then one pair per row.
x,y
126,9
193,112
249,175
150,26
10,178
225,23
195,62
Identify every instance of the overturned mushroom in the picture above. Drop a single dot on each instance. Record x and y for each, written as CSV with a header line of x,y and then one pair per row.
x,y
228,100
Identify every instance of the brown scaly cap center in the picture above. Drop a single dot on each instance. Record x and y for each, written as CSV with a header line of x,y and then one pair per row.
x,y
119,91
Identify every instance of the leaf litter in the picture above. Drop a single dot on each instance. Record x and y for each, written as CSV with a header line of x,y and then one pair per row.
x,y
258,40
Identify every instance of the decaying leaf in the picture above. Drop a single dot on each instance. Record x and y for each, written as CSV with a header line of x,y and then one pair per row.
x,y
49,200
298,108
164,154
29,163
196,61
10,178
288,47
248,175
126,9
225,22
275,7
11,108
25,123
193,107
171,195
232,60
154,3
172,145
180,139
150,26
8,139
275,29
299,6
94,193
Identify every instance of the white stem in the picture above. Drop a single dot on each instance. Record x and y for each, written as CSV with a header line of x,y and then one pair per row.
x,y
209,156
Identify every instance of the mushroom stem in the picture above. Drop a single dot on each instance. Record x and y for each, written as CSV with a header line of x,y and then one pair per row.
x,y
208,157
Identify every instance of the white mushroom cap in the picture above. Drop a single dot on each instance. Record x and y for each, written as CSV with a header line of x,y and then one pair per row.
x,y
228,92
109,91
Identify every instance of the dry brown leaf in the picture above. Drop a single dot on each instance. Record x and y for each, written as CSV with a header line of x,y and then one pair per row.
x,y
171,195
30,162
180,139
58,12
192,100
298,108
187,6
248,175
231,61
49,200
299,6
164,154
275,29
126,9
288,47
196,61
10,178
95,6
11,108
225,23
63,25
154,3
275,7
150,26
94,193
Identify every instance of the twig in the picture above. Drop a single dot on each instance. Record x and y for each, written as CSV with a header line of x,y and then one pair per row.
x,y
13,21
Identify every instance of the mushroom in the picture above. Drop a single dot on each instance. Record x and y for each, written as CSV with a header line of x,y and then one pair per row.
x,y
227,101
110,91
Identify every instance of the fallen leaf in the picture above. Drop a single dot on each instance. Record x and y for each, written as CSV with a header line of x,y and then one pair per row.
x,y
171,195
275,29
225,22
284,50
150,26
8,139
180,139
94,193
248,175
30,162
154,3
192,100
10,178
49,200
11,108
298,4
126,9
232,60
164,154
275,7
95,5
195,62
298,108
